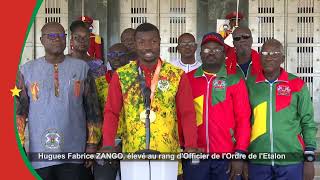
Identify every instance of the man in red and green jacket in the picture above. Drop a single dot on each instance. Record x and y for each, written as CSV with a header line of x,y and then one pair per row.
x,y
242,59
223,113
282,121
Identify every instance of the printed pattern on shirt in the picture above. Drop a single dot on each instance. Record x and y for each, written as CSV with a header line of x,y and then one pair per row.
x,y
162,139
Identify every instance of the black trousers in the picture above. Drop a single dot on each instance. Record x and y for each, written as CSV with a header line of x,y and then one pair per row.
x,y
66,171
105,172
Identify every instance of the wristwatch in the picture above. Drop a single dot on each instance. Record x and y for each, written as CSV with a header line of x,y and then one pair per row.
x,y
309,156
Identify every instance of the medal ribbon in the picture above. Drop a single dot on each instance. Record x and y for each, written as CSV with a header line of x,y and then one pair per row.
x,y
154,80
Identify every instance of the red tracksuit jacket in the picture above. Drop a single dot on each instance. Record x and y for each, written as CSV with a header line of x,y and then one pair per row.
x,y
223,111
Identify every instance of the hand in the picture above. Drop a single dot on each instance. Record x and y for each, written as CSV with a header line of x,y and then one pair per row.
x,y
108,149
88,163
245,171
118,148
235,169
308,171
90,149
192,150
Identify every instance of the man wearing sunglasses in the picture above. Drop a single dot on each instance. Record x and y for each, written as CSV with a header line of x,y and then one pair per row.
x,y
169,98
60,101
117,57
187,48
242,59
282,121
223,113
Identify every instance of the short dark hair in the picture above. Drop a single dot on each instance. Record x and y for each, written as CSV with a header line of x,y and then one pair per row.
x,y
146,27
77,24
273,42
186,34
128,30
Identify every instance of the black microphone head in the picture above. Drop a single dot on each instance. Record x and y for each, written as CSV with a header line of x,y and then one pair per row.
x,y
147,93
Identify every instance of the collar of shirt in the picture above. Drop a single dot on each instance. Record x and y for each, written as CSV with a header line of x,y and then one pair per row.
x,y
147,70
221,73
245,64
148,73
209,74
245,67
109,75
183,64
283,77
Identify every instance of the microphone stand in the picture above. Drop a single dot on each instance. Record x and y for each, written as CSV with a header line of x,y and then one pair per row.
x,y
147,126
147,104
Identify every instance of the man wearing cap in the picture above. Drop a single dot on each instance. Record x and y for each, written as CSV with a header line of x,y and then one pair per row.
x,y
223,113
232,17
95,49
242,59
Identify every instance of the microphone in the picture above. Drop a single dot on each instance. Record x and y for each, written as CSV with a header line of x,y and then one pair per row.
x,y
147,100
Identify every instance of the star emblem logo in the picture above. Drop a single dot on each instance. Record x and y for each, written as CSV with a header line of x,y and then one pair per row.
x,y
15,91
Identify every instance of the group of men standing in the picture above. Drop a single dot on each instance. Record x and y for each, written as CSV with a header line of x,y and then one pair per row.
x,y
236,101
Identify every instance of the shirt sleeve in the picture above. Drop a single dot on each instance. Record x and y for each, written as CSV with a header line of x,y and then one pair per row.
x,y
112,111
306,113
186,113
102,88
22,104
92,109
242,114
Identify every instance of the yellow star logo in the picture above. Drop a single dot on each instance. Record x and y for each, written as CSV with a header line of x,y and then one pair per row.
x,y
15,91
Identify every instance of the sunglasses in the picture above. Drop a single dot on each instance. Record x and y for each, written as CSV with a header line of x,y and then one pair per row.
x,y
53,36
187,44
116,54
238,38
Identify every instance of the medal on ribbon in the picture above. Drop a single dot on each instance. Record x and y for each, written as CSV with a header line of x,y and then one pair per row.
x,y
153,87
152,116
